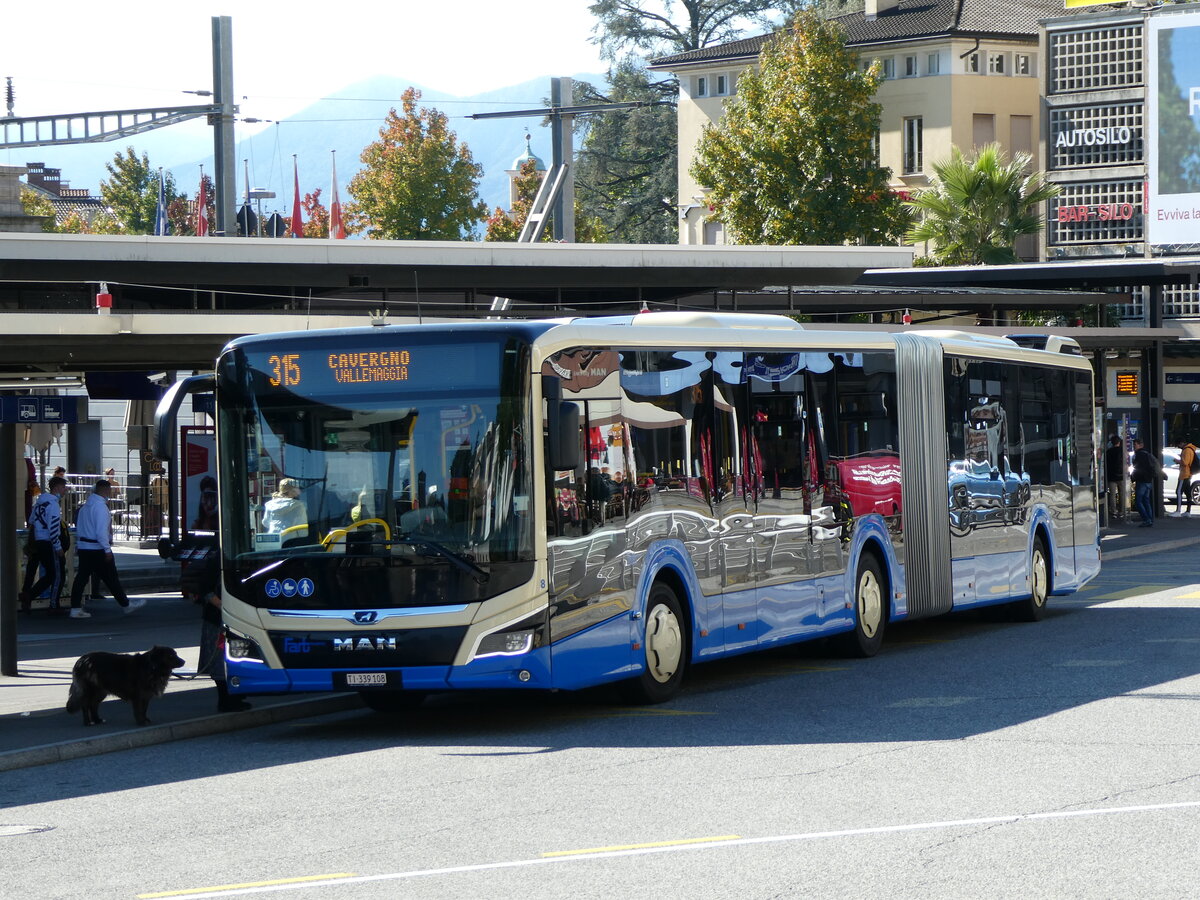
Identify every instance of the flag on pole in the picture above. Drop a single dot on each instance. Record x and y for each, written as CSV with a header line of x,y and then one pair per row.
x,y
161,225
202,208
297,226
337,228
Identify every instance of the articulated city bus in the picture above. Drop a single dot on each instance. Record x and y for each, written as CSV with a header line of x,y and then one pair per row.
x,y
560,504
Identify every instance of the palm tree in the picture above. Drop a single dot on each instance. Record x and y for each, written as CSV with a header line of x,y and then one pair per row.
x,y
978,207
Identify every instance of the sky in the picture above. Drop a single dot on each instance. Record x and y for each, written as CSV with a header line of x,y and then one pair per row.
x,y
90,56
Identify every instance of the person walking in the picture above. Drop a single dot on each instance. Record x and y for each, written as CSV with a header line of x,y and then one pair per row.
x,y
93,538
1183,489
1114,480
48,552
1146,472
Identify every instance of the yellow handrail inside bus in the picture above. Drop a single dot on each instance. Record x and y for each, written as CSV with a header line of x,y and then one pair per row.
x,y
337,533
293,528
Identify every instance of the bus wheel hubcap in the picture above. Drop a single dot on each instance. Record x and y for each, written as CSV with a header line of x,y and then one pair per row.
x,y
870,604
1039,579
664,644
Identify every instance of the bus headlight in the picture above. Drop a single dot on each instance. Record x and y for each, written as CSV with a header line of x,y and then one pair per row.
x,y
505,643
515,638
238,647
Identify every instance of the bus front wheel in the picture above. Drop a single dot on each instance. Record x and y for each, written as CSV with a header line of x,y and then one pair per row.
x,y
664,644
1033,607
870,609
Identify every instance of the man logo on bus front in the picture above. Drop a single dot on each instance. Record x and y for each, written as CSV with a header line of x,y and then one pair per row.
x,y
366,616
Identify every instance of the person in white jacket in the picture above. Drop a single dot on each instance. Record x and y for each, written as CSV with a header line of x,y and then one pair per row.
x,y
285,510
93,542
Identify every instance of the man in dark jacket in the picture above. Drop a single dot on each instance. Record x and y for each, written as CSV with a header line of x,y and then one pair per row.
x,y
1114,479
1146,469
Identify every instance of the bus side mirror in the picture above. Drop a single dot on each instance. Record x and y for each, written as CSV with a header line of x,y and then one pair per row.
x,y
563,450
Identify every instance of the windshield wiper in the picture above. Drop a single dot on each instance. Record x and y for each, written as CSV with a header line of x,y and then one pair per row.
x,y
481,575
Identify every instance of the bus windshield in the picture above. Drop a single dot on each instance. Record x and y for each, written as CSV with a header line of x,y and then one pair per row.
x,y
401,455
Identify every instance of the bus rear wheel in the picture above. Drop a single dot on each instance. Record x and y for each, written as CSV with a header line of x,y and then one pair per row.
x,y
870,610
665,646
1033,607
392,701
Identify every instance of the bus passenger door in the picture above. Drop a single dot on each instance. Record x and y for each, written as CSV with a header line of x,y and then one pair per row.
x,y
775,465
722,460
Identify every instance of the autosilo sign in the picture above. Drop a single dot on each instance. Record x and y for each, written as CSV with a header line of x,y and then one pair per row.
x,y
1094,137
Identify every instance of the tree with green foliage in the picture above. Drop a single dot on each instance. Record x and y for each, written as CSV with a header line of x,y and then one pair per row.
x,y
418,181
792,161
131,191
977,207
655,28
625,173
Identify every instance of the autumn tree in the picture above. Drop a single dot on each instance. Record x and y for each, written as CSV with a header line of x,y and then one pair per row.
x,y
315,216
418,181
131,191
977,207
792,161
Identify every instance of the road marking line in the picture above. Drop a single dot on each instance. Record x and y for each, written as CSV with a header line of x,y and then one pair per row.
x,y
691,847
683,843
1135,592
244,888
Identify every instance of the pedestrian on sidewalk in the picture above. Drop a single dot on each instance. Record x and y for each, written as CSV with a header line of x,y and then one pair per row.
x,y
1146,472
1183,489
47,551
93,538
1114,480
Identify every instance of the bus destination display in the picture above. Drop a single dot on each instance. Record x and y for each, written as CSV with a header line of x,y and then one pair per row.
x,y
284,370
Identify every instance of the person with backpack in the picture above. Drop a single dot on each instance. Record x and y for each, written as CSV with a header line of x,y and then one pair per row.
x,y
1183,489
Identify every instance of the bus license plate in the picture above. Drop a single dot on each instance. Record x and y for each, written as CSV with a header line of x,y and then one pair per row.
x,y
366,679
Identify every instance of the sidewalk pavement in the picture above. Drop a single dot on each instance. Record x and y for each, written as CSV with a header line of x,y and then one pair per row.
x,y
36,729
34,725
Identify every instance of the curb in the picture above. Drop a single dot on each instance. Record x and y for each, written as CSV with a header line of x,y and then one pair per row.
x,y
177,731
1125,552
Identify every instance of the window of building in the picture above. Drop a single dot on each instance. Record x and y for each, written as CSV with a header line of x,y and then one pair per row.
x,y
996,64
1022,64
889,67
722,85
933,65
910,67
913,145
701,86
1095,58
1021,128
983,129
972,62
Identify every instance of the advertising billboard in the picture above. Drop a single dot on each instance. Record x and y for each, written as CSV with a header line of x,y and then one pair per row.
x,y
1173,119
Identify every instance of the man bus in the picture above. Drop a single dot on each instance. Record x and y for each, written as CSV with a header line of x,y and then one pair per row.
x,y
560,504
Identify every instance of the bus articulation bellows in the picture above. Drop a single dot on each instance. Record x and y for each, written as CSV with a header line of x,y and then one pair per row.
x,y
560,504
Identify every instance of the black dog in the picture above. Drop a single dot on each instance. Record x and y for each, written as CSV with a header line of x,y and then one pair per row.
x,y
138,678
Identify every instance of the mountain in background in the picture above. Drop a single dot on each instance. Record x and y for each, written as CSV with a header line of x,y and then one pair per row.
x,y
345,121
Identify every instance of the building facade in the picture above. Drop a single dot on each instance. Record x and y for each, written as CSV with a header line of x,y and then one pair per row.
x,y
956,74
